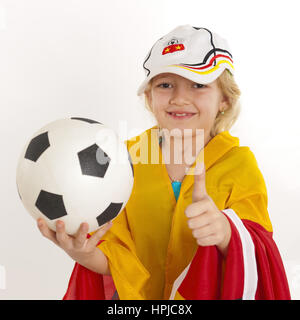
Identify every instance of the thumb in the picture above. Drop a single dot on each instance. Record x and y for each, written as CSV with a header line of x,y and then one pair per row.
x,y
199,190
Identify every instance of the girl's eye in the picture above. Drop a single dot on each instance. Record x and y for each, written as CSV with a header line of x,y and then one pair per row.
x,y
163,85
199,85
166,85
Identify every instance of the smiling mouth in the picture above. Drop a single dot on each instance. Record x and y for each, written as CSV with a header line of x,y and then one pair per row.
x,y
180,116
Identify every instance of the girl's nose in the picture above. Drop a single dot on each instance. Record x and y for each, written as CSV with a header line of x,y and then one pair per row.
x,y
180,96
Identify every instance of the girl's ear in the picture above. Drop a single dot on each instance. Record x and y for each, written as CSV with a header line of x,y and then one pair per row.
x,y
224,104
148,97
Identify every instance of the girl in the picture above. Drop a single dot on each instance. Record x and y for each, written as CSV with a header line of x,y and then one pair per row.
x,y
196,225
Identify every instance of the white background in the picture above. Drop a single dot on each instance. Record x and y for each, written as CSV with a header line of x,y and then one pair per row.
x,y
63,58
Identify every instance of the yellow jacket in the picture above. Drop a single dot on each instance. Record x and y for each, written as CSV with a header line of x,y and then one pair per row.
x,y
150,243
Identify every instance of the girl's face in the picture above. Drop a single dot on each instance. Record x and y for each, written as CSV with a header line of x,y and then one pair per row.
x,y
171,93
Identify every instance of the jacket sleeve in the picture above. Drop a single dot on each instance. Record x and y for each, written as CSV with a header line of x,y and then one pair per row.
x,y
253,267
128,274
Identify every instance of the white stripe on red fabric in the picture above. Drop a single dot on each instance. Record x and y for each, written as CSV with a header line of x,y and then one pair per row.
x,y
178,282
250,267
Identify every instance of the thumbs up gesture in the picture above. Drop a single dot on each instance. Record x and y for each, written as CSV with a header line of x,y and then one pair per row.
x,y
208,224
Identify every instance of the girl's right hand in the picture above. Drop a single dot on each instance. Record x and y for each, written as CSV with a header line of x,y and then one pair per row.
x,y
78,247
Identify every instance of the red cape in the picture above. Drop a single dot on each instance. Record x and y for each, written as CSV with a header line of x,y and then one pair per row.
x,y
209,277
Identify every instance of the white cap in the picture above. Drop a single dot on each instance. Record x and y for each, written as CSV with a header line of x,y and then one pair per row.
x,y
197,54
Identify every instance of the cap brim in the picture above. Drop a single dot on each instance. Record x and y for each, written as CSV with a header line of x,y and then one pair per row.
x,y
192,75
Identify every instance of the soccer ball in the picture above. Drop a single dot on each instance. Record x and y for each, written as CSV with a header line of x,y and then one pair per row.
x,y
75,170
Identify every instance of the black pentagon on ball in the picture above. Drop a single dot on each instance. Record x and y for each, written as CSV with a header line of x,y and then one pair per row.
x,y
93,161
86,120
37,147
51,205
109,213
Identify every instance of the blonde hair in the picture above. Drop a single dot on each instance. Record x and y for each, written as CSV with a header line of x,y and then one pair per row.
x,y
231,92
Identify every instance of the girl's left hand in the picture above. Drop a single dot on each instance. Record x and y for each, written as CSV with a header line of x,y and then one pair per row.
x,y
209,225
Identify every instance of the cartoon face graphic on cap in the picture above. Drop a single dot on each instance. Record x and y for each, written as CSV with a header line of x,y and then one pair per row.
x,y
173,45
